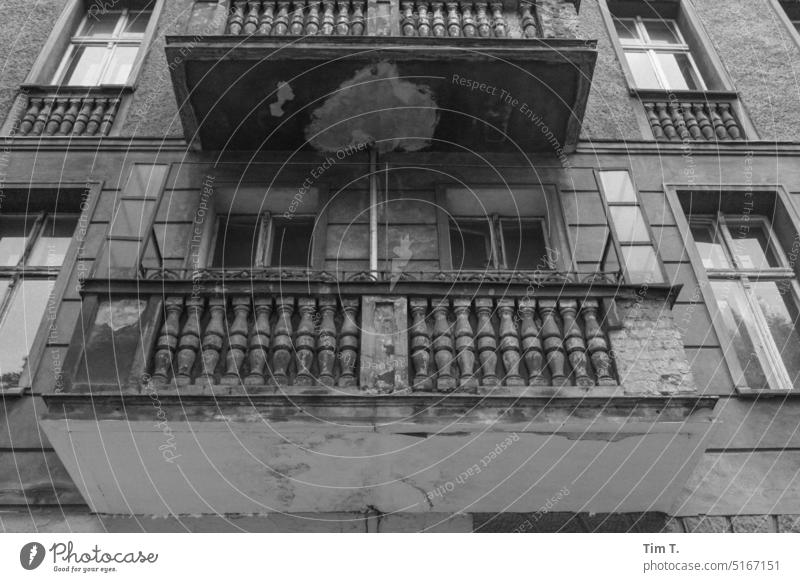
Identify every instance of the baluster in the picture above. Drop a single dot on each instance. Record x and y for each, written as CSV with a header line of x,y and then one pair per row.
x,y
326,344
96,118
487,342
465,344
468,20
482,18
34,106
44,115
237,340
716,121
189,342
652,118
528,20
420,345
267,18
251,22
666,121
281,20
343,18
678,122
305,343
423,22
167,340
357,21
573,342
438,20
312,21
532,353
729,121
108,117
236,18
348,343
702,121
56,115
551,335
298,18
213,338
327,17
68,121
407,23
498,20
83,117
691,122
453,19
282,352
443,347
509,343
258,349
597,345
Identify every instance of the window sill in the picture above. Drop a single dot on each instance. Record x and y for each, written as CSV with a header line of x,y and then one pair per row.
x,y
682,95
682,116
756,393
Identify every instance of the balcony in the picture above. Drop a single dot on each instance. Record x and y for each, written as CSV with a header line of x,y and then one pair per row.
x,y
402,76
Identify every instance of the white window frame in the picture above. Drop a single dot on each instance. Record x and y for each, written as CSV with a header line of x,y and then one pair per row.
x,y
767,351
651,49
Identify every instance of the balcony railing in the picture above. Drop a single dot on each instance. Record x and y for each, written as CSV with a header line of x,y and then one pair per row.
x,y
272,18
81,112
693,120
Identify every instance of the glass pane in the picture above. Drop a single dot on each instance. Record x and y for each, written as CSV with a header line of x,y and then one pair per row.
x,y
642,68
51,246
710,248
100,22
470,246
642,264
618,186
661,31
751,246
19,328
13,235
629,224
525,245
120,65
777,303
132,218
291,244
137,22
678,71
737,319
237,242
85,65
626,30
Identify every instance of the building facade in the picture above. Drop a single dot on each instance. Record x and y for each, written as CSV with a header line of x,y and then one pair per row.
x,y
400,266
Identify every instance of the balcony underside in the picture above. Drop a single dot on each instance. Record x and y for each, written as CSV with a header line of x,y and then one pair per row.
x,y
398,94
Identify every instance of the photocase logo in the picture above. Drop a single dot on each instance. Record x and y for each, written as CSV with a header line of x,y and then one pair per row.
x,y
31,555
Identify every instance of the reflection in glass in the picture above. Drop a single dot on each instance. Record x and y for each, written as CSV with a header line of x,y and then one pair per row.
x,y
19,327
120,65
661,31
100,23
642,264
709,246
53,241
777,303
13,236
642,68
617,186
678,71
85,65
629,224
751,246
626,29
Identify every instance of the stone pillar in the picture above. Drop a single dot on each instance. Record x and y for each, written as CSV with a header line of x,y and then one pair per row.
x,y
208,17
557,18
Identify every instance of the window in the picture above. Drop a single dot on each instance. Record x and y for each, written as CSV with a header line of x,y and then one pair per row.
x,y
499,243
245,241
104,47
32,249
658,55
757,297
792,10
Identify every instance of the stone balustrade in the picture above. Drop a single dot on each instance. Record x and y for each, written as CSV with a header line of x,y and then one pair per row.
x,y
693,120
270,18
68,114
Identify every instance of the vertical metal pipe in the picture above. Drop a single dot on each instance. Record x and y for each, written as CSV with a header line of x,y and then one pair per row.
x,y
373,212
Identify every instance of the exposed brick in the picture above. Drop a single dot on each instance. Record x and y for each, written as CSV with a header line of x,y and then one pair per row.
x,y
789,523
752,523
707,524
673,525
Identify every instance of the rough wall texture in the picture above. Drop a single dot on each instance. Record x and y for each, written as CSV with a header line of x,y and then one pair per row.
x,y
764,63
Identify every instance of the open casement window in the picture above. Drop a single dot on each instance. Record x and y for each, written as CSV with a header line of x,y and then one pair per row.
x,y
658,55
499,243
757,298
251,241
103,48
32,249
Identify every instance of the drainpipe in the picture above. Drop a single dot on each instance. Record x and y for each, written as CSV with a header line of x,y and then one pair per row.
x,y
373,212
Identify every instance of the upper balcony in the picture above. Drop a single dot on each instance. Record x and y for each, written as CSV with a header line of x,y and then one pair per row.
x,y
404,76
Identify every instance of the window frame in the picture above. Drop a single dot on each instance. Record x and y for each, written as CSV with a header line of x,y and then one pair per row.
x,y
791,23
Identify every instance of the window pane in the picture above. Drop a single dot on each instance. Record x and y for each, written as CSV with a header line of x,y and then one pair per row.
x,y
137,22
100,22
85,65
13,235
777,303
120,65
737,319
710,248
470,245
629,224
237,242
54,240
291,244
132,218
626,30
618,186
751,246
661,31
19,327
642,264
642,68
525,245
678,71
